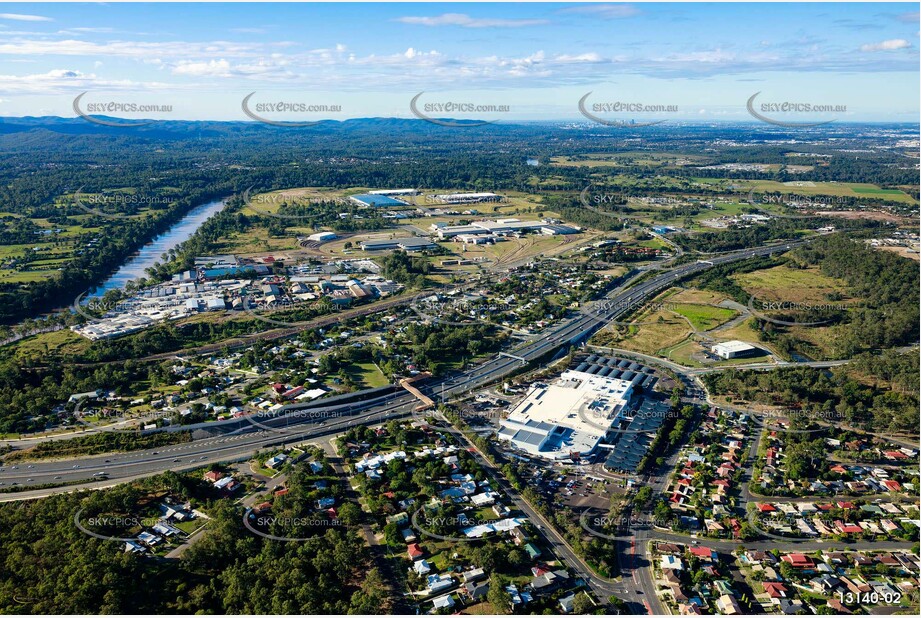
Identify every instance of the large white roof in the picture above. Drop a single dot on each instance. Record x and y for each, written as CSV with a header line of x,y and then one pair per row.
x,y
571,415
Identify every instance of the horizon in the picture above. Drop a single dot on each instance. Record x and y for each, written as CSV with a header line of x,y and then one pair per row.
x,y
547,121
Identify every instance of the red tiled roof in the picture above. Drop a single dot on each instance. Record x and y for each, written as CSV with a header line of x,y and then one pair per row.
x,y
701,552
799,560
414,550
775,590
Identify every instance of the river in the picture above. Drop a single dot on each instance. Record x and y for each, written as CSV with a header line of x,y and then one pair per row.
x,y
150,253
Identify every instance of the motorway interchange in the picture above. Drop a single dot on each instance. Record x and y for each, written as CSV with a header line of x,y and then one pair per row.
x,y
240,438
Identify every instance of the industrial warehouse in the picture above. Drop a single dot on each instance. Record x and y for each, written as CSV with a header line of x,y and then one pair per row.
x,y
503,227
586,411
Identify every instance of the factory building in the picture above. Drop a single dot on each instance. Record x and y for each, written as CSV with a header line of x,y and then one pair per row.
x,y
733,349
466,198
376,200
409,244
504,227
568,418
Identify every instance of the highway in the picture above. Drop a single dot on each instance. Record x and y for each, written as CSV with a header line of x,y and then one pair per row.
x,y
243,438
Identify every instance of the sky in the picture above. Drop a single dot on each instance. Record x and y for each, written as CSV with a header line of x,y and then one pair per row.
x,y
530,61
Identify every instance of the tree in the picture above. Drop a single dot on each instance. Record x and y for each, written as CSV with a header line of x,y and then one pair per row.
x,y
350,514
498,596
787,571
582,604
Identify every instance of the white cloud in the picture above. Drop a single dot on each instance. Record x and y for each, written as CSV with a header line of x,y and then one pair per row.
x,y
713,56
68,81
412,53
272,69
605,11
129,49
889,45
465,21
590,57
91,30
213,68
21,17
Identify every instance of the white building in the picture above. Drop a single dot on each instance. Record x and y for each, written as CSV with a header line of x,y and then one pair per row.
x,y
322,237
733,349
394,192
467,198
571,416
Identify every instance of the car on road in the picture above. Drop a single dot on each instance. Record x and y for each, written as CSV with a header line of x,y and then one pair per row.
x,y
57,478
75,467
176,461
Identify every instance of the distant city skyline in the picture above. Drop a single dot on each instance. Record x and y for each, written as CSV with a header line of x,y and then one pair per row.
x,y
691,62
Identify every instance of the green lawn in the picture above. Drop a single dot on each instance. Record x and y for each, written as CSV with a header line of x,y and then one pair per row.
x,y
704,317
190,525
367,374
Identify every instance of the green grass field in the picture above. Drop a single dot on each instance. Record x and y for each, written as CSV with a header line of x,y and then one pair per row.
x,y
60,342
367,374
791,284
704,317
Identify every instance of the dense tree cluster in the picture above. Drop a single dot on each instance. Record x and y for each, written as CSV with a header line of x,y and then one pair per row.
x,y
49,566
891,404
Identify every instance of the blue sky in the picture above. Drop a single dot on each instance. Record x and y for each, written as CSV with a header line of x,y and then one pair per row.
x,y
538,59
